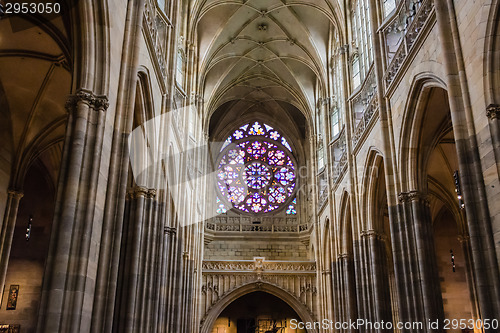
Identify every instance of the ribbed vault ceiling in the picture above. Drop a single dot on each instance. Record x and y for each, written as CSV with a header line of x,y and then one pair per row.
x,y
267,56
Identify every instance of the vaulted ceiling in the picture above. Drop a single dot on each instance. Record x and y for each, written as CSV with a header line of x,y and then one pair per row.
x,y
35,80
263,56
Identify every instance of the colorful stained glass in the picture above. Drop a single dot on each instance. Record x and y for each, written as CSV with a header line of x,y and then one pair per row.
x,y
256,129
291,210
256,172
221,208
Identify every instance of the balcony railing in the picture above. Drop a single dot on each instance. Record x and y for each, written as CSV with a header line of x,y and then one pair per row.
x,y
365,105
159,29
235,224
339,153
409,20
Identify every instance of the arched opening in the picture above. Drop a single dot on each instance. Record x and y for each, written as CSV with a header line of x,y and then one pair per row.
x,y
257,312
431,172
438,155
302,312
376,238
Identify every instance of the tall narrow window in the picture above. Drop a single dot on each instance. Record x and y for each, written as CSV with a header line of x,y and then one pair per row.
x,y
335,121
356,77
389,6
321,156
180,67
362,36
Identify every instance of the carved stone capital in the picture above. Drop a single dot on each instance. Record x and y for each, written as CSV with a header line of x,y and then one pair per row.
x,y
493,111
15,194
170,230
87,97
372,234
463,239
344,256
412,196
101,103
151,193
139,191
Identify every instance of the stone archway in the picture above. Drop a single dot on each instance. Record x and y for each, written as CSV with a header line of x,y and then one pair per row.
x,y
214,312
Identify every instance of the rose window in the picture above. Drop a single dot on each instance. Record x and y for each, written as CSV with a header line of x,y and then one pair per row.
x,y
256,171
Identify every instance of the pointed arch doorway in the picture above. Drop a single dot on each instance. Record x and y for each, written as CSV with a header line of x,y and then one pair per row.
x,y
258,306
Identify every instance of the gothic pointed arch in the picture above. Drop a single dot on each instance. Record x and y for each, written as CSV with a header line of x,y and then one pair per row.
x,y
303,312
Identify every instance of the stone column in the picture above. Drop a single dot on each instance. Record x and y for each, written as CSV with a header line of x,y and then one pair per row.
x,y
376,275
420,257
8,227
69,279
166,278
349,290
136,244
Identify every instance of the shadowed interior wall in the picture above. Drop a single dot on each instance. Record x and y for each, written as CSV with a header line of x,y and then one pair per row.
x,y
27,258
453,284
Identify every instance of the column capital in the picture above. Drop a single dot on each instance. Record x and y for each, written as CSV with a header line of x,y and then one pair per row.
x,y
101,103
493,111
463,238
170,230
97,102
140,191
372,234
412,196
344,256
17,194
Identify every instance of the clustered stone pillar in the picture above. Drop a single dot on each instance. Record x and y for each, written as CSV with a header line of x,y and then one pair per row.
x,y
345,290
373,294
69,282
415,262
8,227
139,298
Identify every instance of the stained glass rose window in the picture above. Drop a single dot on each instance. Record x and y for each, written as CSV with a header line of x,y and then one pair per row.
x,y
256,172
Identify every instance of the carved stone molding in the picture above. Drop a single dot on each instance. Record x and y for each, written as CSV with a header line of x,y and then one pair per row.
x,y
463,239
493,111
412,196
170,230
16,194
344,256
372,234
87,97
140,191
101,103
258,265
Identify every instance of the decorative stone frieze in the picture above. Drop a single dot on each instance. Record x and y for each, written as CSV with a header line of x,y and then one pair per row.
x,y
220,278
